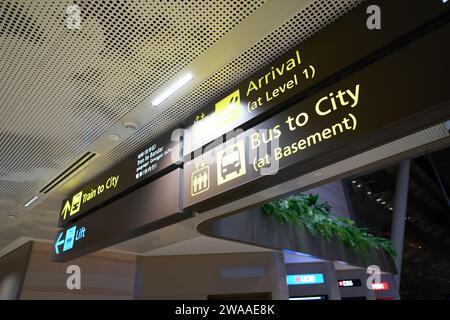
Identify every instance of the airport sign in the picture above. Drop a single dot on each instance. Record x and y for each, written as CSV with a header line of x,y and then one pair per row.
x,y
154,160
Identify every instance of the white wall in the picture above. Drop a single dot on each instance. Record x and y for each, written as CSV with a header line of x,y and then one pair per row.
x,y
199,276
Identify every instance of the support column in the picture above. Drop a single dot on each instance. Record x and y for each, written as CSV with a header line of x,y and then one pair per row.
x,y
399,215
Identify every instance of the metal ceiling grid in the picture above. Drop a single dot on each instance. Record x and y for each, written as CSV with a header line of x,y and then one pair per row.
x,y
60,85
301,27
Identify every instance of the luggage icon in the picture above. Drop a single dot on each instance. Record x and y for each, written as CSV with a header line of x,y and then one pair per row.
x,y
200,180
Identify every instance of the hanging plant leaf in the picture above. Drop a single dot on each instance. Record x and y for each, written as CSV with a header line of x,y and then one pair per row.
x,y
316,217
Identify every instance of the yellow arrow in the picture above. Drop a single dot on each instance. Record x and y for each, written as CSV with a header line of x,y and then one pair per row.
x,y
66,210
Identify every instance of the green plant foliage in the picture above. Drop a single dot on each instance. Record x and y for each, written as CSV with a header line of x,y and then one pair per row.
x,y
316,217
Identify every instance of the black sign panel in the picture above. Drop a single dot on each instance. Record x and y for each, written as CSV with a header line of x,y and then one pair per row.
x,y
349,283
336,49
393,97
153,206
159,157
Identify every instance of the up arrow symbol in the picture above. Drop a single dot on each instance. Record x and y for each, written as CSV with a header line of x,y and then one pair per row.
x,y
67,208
59,242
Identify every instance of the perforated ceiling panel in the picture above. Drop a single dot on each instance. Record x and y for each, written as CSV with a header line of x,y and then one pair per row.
x,y
306,23
61,88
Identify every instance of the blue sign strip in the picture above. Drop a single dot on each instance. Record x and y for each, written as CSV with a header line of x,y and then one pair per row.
x,y
71,235
301,279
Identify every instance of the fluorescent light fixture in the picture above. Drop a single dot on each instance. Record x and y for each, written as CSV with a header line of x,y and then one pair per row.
x,y
31,201
307,298
172,89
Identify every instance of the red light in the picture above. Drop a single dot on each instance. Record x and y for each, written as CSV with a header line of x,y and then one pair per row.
x,y
378,286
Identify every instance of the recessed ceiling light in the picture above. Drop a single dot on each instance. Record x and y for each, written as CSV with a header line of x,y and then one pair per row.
x,y
354,181
172,89
113,137
369,193
390,209
359,185
131,125
383,203
379,199
31,201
